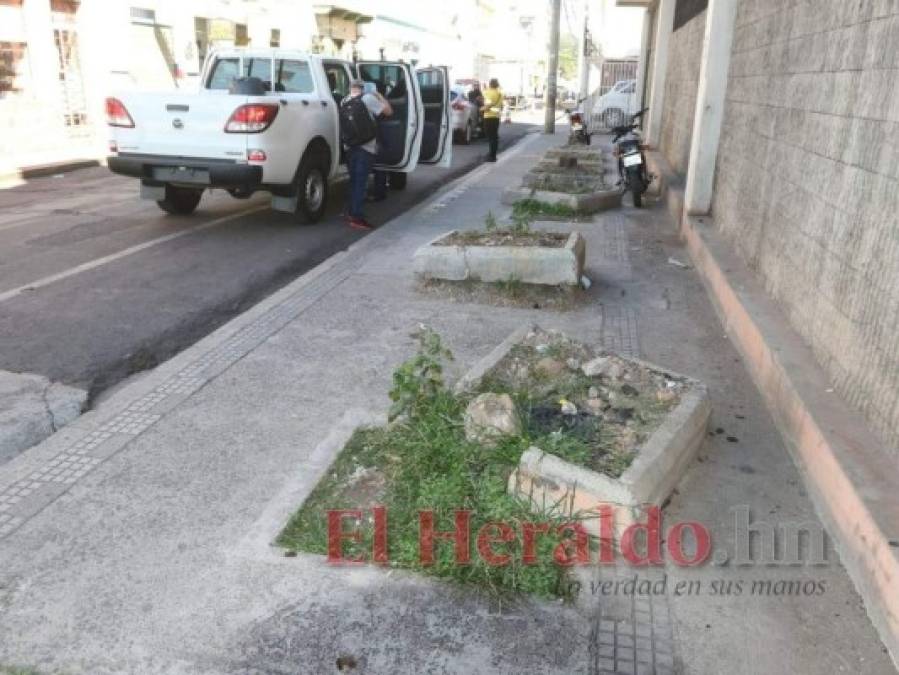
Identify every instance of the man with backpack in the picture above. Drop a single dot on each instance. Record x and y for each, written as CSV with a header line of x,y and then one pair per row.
x,y
359,130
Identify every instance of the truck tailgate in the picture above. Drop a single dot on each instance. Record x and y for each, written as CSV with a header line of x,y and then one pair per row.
x,y
181,125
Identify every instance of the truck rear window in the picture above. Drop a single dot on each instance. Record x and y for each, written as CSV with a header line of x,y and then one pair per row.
x,y
291,75
261,68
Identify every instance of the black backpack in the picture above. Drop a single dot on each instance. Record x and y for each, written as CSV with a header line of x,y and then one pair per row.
x,y
357,126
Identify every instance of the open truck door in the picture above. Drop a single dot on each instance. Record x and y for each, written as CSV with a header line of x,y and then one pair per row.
x,y
400,135
437,137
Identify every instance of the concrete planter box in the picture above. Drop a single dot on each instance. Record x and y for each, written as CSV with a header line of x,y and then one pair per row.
x,y
544,265
549,483
586,202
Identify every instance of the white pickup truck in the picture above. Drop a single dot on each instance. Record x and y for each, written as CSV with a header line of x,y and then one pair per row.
x,y
279,134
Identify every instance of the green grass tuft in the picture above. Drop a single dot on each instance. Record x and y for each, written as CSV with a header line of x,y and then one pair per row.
x,y
532,209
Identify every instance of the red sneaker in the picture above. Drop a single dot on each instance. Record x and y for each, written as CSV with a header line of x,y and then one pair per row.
x,y
359,223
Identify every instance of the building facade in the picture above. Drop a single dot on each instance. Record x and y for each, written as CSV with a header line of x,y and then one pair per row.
x,y
60,59
778,122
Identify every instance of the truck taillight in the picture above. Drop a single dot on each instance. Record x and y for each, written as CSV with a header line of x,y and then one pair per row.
x,y
256,155
251,119
117,114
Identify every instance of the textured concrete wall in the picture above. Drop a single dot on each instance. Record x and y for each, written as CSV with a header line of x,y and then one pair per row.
x,y
684,54
807,185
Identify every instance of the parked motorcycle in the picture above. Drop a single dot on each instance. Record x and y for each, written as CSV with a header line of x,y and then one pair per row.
x,y
580,132
631,159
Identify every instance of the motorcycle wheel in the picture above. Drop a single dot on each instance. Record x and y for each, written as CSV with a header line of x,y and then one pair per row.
x,y
637,192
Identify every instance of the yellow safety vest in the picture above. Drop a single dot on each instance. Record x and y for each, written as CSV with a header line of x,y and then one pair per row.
x,y
493,100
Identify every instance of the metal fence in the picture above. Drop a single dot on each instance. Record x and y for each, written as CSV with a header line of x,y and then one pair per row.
x,y
617,107
616,70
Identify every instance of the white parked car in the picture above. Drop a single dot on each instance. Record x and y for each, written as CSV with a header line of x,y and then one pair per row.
x,y
464,115
617,105
267,119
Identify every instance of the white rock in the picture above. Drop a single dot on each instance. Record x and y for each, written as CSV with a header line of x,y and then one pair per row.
x,y
549,366
596,366
489,417
595,406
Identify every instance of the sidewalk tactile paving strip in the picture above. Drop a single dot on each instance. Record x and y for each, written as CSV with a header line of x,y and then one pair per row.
x,y
642,644
130,422
181,385
29,496
615,240
619,330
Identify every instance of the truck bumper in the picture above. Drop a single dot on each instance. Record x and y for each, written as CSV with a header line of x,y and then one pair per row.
x,y
194,171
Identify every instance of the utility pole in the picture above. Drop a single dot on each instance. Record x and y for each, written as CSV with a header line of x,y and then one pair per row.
x,y
549,120
584,52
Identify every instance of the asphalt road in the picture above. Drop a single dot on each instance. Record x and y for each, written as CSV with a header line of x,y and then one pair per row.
x,y
96,285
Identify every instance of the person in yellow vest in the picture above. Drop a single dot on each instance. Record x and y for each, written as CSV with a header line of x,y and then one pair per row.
x,y
493,106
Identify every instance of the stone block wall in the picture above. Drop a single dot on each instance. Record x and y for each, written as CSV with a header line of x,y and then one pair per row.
x,y
807,182
681,82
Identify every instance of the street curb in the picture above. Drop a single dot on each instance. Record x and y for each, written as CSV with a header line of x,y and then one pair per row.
x,y
848,471
51,169
32,408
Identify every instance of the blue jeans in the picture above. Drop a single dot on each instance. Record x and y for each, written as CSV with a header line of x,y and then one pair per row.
x,y
359,164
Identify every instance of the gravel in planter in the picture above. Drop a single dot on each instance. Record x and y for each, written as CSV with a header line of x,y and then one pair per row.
x,y
564,181
598,421
504,238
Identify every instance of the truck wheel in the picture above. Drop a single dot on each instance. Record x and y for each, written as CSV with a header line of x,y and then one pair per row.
x,y
312,190
180,201
397,180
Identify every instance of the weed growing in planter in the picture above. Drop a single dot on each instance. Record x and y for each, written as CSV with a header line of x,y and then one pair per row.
x,y
521,224
534,208
417,381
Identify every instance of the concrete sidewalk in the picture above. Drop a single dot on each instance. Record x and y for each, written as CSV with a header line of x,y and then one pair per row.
x,y
137,540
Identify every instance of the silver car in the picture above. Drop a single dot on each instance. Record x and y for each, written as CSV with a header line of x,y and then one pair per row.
x,y
464,116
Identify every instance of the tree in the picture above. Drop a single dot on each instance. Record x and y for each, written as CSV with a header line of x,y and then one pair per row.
x,y
568,57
